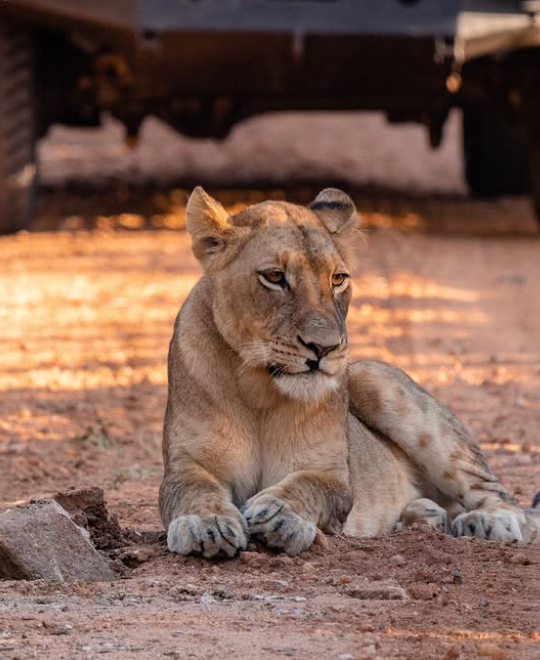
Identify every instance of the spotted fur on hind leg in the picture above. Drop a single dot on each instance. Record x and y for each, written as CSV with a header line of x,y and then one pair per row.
x,y
426,511
387,400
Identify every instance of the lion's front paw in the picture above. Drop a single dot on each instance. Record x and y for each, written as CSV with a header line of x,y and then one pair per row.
x,y
496,524
273,520
208,536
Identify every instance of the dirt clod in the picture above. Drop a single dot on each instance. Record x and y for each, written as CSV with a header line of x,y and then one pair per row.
x,y
490,650
88,509
366,627
398,560
520,559
423,591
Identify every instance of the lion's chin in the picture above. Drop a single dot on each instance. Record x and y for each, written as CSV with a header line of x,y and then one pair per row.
x,y
307,386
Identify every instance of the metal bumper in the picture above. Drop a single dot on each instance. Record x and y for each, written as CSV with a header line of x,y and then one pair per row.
x,y
331,17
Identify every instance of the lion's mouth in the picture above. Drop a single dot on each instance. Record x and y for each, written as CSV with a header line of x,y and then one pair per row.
x,y
278,370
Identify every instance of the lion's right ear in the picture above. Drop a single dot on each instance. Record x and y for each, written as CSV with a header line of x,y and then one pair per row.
x,y
208,225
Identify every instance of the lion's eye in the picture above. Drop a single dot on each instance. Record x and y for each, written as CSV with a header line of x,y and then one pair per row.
x,y
338,279
274,277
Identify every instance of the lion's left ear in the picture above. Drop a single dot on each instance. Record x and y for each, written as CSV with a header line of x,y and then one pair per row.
x,y
337,212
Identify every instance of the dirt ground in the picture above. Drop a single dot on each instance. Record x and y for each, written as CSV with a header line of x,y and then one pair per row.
x,y
446,289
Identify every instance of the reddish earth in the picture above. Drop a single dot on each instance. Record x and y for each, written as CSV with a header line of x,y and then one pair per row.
x,y
446,289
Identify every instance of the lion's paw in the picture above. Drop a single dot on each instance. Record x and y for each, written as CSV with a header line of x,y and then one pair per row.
x,y
273,520
424,510
496,525
209,536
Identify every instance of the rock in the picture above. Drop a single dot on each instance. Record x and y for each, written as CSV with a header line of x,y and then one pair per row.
x,y
247,557
40,540
254,559
107,647
308,567
490,650
379,592
398,560
365,627
520,559
423,591
343,579
135,556
64,629
282,561
207,599
457,578
321,540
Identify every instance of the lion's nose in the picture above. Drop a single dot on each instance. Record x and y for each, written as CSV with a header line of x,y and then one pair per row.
x,y
320,350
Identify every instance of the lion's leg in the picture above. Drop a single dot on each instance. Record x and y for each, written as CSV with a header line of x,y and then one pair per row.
x,y
424,510
387,400
199,513
287,515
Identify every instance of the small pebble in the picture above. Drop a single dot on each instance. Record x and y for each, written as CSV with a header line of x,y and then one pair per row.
x,y
321,540
484,602
247,557
490,650
423,591
365,627
345,656
207,599
343,579
279,562
62,630
106,648
520,558
457,578
444,600
308,567
398,560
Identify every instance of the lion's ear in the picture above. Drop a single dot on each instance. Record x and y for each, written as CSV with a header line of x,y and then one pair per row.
x,y
335,209
208,225
337,212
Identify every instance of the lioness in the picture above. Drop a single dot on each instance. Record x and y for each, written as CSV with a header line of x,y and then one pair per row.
x,y
270,432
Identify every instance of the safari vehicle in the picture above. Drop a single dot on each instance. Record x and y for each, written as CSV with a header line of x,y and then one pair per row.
x,y
204,65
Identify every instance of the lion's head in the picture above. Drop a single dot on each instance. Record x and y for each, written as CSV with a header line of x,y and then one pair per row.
x,y
281,285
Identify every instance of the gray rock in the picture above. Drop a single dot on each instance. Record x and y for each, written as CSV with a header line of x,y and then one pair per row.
x,y
377,592
40,540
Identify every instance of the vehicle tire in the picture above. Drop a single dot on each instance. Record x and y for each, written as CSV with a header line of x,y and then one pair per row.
x,y
496,163
535,177
17,130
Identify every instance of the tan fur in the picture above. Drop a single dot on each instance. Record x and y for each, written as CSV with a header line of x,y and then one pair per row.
x,y
260,437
